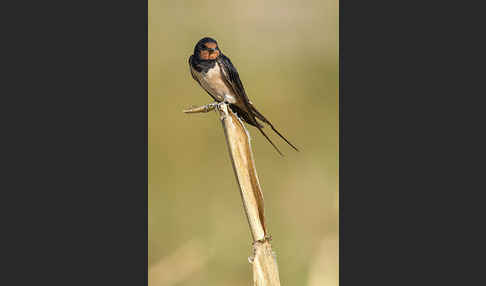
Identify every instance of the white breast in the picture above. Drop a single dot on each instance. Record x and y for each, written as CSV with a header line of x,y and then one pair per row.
x,y
213,82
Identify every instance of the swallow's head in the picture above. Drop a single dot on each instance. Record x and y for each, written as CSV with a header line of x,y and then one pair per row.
x,y
207,49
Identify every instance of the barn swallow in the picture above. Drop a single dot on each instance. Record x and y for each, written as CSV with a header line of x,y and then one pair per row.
x,y
218,77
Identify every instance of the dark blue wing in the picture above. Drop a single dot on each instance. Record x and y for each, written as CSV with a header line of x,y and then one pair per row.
x,y
233,79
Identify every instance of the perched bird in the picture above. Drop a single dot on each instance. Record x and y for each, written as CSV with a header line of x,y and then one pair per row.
x,y
219,78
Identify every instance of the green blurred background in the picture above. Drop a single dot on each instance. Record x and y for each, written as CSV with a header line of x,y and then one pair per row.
x,y
286,53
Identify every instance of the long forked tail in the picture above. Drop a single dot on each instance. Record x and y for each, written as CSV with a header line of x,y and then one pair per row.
x,y
249,117
262,118
265,135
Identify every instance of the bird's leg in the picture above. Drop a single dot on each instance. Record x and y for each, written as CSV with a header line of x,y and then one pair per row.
x,y
219,104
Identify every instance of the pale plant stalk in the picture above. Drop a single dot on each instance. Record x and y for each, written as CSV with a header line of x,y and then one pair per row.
x,y
265,270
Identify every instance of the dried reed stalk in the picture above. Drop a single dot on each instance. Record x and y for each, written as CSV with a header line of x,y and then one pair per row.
x,y
265,270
